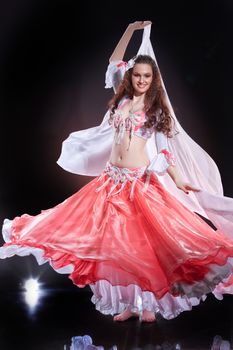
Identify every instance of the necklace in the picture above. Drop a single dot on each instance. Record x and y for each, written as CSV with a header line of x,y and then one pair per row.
x,y
135,107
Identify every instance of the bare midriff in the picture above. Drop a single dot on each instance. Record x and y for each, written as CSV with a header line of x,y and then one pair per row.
x,y
129,153
132,156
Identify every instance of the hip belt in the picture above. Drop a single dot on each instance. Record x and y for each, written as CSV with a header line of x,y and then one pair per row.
x,y
122,176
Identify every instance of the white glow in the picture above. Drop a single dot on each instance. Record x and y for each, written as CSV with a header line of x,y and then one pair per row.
x,y
32,292
31,285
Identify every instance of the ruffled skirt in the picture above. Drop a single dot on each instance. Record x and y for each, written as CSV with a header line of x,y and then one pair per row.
x,y
131,241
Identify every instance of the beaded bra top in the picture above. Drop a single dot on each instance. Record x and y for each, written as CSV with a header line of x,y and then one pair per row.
x,y
134,123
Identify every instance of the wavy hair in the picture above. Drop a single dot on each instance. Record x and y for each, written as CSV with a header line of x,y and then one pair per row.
x,y
155,106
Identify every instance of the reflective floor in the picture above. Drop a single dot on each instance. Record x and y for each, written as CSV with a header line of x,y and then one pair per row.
x,y
43,310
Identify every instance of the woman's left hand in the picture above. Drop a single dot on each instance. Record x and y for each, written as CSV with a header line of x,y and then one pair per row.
x,y
139,24
185,186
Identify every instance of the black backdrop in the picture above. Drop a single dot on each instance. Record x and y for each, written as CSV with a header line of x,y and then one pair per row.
x,y
53,60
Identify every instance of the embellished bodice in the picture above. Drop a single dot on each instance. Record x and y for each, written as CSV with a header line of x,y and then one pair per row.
x,y
133,123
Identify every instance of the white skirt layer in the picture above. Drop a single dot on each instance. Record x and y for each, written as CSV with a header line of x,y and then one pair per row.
x,y
112,300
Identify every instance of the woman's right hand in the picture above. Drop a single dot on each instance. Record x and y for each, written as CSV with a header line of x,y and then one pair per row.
x,y
139,24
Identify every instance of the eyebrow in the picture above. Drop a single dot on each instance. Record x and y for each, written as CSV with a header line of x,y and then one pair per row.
x,y
150,73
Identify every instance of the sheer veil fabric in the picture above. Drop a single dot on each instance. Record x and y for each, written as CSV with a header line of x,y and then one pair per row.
x,y
86,152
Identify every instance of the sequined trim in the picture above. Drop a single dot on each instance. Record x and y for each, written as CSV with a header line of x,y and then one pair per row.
x,y
133,123
121,176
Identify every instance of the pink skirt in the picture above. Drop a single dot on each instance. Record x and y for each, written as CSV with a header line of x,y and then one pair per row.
x,y
130,240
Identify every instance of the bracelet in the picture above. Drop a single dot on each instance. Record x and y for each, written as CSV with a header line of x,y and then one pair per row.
x,y
169,156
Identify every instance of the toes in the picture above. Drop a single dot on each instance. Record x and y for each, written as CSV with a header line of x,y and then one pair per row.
x,y
148,319
125,316
117,318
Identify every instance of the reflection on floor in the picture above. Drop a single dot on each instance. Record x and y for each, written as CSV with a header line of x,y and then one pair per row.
x,y
85,343
43,310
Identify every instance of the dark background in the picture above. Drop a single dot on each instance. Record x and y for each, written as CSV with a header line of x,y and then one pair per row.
x,y
53,58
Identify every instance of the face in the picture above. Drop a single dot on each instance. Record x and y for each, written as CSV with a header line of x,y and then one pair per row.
x,y
142,76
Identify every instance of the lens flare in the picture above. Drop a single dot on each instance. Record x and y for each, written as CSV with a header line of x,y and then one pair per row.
x,y
32,292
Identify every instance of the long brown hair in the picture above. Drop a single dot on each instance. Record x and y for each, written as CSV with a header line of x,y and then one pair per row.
x,y
155,107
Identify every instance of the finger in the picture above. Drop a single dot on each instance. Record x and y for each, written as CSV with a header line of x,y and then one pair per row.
x,y
182,188
192,188
196,189
146,23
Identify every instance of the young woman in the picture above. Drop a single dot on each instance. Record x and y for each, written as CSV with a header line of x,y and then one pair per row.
x,y
129,235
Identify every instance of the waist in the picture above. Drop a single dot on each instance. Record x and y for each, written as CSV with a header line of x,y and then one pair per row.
x,y
136,170
122,162
136,156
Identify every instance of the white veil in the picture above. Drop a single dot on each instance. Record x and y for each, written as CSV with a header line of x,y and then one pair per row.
x,y
86,152
196,166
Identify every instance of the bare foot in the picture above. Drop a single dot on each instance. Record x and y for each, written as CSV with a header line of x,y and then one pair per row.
x,y
125,315
148,316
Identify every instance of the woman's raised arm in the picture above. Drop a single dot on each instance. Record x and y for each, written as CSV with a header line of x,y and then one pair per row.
x,y
121,47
